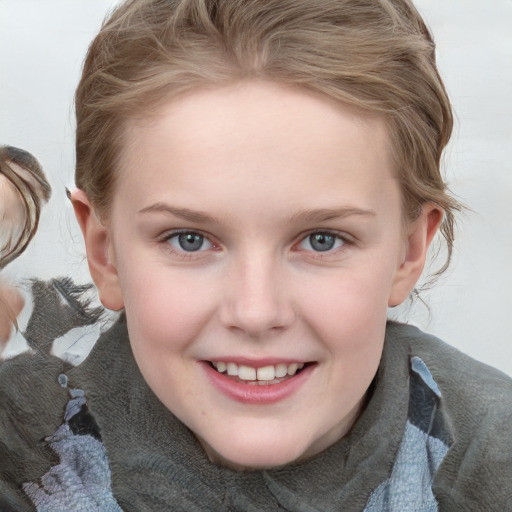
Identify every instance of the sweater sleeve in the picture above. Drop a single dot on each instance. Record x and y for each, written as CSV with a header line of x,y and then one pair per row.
x,y
31,408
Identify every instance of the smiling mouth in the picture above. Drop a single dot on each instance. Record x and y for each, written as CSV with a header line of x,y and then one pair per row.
x,y
264,376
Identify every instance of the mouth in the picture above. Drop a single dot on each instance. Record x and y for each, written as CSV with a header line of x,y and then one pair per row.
x,y
259,383
263,376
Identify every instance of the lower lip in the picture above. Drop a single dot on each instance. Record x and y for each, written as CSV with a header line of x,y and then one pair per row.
x,y
255,393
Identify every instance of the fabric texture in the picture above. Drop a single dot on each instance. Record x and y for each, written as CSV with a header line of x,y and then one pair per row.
x,y
435,435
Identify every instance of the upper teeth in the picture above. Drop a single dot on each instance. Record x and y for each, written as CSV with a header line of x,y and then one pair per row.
x,y
269,372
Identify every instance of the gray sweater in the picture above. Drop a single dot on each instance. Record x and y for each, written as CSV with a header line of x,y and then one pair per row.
x,y
436,434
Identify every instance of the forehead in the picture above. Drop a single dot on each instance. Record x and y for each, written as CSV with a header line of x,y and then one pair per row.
x,y
256,133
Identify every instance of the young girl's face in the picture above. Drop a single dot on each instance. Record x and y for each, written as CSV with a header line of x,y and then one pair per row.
x,y
256,231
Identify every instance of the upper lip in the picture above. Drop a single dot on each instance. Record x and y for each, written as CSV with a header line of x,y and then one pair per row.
x,y
256,363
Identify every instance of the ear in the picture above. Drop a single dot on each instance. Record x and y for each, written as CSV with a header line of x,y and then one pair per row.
x,y
420,235
99,250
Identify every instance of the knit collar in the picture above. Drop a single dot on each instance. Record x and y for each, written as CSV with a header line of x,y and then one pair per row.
x,y
156,460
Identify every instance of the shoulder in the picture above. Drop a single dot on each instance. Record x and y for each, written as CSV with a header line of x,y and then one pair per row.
x,y
31,408
469,387
32,397
476,401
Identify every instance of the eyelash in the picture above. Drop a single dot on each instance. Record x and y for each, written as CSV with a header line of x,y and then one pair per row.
x,y
174,235
341,239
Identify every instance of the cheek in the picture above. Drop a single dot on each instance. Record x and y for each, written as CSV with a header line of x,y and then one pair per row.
x,y
166,314
348,314
165,309
352,300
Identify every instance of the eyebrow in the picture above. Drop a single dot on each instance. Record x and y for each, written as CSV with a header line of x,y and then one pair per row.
x,y
182,213
303,216
326,214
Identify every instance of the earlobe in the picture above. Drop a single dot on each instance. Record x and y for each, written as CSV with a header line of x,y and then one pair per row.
x,y
421,234
99,251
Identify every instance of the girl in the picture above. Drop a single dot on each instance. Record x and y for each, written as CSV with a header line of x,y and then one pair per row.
x,y
23,191
257,182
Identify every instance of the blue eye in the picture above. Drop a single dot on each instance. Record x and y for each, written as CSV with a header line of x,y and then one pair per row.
x,y
189,242
321,242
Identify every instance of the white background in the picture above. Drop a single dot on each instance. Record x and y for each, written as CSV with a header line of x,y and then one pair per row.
x,y
42,44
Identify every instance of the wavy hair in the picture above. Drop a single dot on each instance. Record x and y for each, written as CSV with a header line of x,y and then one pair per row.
x,y
376,55
23,190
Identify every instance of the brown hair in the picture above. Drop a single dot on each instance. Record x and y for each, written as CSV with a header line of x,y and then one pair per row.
x,y
24,190
376,55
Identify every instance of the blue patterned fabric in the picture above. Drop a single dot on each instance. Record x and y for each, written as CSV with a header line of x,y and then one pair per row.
x,y
409,488
81,481
434,436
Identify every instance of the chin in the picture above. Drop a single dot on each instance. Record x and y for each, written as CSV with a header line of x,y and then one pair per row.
x,y
250,455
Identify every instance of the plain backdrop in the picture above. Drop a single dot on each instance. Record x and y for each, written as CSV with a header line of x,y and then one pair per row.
x,y
43,43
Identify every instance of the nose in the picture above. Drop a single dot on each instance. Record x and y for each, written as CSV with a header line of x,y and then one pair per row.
x,y
256,298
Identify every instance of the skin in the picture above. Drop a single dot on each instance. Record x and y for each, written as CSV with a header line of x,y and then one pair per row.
x,y
11,304
12,215
261,163
11,221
